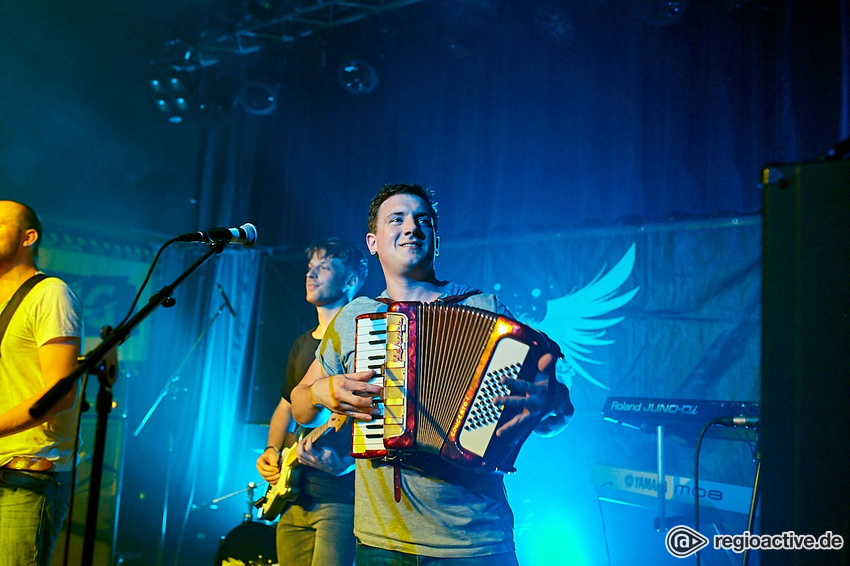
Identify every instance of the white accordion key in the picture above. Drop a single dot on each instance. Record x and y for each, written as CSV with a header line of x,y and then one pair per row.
x,y
370,352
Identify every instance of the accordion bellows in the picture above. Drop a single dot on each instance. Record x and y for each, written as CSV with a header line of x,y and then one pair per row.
x,y
441,365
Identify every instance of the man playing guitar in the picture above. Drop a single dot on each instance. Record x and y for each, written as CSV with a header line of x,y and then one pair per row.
x,y
312,485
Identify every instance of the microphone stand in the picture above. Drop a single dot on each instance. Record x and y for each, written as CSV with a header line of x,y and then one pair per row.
x,y
103,361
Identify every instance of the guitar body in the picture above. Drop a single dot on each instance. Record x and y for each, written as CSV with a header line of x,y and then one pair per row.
x,y
285,491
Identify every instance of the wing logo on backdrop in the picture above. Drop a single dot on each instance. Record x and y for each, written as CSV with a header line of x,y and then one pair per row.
x,y
578,320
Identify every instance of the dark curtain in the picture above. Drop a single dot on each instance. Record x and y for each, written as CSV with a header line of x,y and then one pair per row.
x,y
622,122
188,451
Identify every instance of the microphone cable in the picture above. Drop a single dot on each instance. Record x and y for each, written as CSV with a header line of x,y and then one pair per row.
x,y
719,422
82,407
145,282
696,479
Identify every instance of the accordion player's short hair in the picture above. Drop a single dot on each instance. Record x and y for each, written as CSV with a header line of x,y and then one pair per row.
x,y
388,190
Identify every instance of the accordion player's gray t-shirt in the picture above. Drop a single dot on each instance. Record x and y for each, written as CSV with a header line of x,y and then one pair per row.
x,y
448,513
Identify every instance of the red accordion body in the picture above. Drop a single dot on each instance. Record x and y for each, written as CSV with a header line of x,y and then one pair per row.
x,y
441,365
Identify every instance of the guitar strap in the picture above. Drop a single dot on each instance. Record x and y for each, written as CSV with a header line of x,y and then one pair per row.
x,y
16,300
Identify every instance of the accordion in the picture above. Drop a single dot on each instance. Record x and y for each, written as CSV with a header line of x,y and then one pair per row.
x,y
440,366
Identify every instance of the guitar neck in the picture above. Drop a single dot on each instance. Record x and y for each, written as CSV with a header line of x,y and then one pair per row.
x,y
317,432
313,436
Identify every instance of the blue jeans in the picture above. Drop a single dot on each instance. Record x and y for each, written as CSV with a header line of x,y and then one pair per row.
x,y
371,556
32,508
321,535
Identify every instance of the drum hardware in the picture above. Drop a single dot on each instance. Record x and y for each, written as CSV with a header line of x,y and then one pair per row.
x,y
252,543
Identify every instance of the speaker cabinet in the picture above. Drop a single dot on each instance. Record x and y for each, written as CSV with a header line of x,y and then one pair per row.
x,y
108,499
806,357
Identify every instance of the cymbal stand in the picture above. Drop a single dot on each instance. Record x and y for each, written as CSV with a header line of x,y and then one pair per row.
x,y
169,387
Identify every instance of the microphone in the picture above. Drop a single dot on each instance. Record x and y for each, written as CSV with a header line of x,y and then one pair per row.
x,y
737,421
226,300
245,235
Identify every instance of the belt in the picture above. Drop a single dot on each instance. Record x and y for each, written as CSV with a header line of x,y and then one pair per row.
x,y
28,463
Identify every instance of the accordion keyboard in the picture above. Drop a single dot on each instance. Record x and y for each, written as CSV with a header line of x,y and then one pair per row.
x,y
370,353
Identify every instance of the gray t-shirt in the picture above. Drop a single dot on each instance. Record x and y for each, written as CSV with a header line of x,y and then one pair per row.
x,y
449,512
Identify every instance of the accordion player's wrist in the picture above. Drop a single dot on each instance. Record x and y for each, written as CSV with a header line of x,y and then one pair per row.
x,y
313,401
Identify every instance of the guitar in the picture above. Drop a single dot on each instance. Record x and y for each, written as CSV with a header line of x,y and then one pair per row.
x,y
286,490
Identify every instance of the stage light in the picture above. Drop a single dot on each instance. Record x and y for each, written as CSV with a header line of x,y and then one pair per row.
x,y
357,76
258,98
173,81
173,92
558,538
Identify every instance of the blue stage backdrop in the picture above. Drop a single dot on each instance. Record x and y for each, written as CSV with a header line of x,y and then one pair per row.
x,y
664,311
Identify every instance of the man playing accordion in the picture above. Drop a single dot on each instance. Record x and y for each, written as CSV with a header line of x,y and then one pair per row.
x,y
421,509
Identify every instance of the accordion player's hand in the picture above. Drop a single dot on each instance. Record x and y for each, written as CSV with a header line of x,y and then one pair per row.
x,y
348,394
529,396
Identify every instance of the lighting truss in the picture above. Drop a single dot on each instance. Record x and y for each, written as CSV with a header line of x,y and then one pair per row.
x,y
303,20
